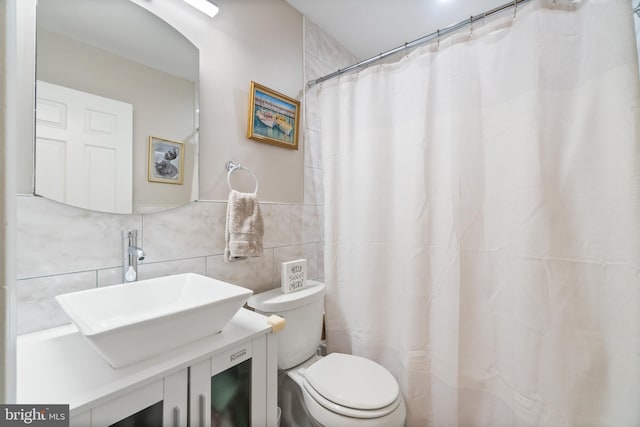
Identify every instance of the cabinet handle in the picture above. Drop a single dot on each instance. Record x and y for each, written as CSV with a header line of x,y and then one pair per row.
x,y
203,401
176,416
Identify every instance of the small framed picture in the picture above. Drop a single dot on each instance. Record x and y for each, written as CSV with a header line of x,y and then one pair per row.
x,y
273,117
166,160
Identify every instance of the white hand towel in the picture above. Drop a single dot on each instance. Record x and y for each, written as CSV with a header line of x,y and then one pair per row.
x,y
245,228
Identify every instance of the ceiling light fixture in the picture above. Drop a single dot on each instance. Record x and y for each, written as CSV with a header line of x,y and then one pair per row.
x,y
204,6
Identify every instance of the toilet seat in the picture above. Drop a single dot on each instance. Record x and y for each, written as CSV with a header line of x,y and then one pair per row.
x,y
350,412
351,386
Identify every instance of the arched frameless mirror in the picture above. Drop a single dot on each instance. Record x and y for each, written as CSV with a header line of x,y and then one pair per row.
x,y
116,108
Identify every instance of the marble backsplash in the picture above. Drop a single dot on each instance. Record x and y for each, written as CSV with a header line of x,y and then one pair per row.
x,y
63,249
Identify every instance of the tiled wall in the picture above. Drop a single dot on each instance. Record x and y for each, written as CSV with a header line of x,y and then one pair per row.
x,y
63,249
322,55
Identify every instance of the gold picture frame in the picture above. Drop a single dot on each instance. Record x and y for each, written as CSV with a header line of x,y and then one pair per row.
x,y
273,117
166,161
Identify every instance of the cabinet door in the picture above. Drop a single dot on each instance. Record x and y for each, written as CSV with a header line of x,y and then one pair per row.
x,y
221,389
232,388
160,403
140,405
236,387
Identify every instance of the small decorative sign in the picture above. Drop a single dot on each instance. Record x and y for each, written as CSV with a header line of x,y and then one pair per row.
x,y
294,275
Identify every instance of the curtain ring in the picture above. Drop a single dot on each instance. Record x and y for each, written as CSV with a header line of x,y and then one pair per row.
x,y
515,8
471,26
438,40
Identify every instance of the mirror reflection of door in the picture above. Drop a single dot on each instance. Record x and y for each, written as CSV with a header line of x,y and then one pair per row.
x,y
83,149
119,50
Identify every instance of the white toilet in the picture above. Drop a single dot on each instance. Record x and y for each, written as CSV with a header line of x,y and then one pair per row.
x,y
335,390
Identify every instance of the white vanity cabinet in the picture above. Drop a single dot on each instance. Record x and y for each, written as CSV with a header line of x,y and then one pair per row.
x,y
230,376
161,403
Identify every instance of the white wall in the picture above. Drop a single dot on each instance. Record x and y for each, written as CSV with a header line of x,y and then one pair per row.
x,y
322,55
8,98
24,65
163,106
248,40
636,21
61,249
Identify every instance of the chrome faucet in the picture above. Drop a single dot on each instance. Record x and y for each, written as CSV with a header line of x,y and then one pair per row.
x,y
131,254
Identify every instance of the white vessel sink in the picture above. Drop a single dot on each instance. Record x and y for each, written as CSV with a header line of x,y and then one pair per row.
x,y
134,321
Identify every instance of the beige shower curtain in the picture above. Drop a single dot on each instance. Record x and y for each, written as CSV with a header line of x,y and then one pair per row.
x,y
482,208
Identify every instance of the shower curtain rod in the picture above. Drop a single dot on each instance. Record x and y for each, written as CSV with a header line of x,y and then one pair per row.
x,y
435,35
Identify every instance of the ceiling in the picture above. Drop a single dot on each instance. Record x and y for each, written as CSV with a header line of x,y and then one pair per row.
x,y
369,27
364,27
123,28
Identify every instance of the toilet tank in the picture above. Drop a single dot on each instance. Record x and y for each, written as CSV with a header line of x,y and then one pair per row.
x,y
303,311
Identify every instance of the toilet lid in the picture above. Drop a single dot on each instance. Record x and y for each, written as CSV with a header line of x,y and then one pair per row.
x,y
352,381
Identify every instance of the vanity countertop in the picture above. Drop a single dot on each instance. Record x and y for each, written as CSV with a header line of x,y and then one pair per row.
x,y
57,366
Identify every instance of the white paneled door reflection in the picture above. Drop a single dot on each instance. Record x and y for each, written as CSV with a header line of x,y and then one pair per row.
x,y
83,149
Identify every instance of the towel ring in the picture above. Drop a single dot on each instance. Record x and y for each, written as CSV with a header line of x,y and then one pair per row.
x,y
232,167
